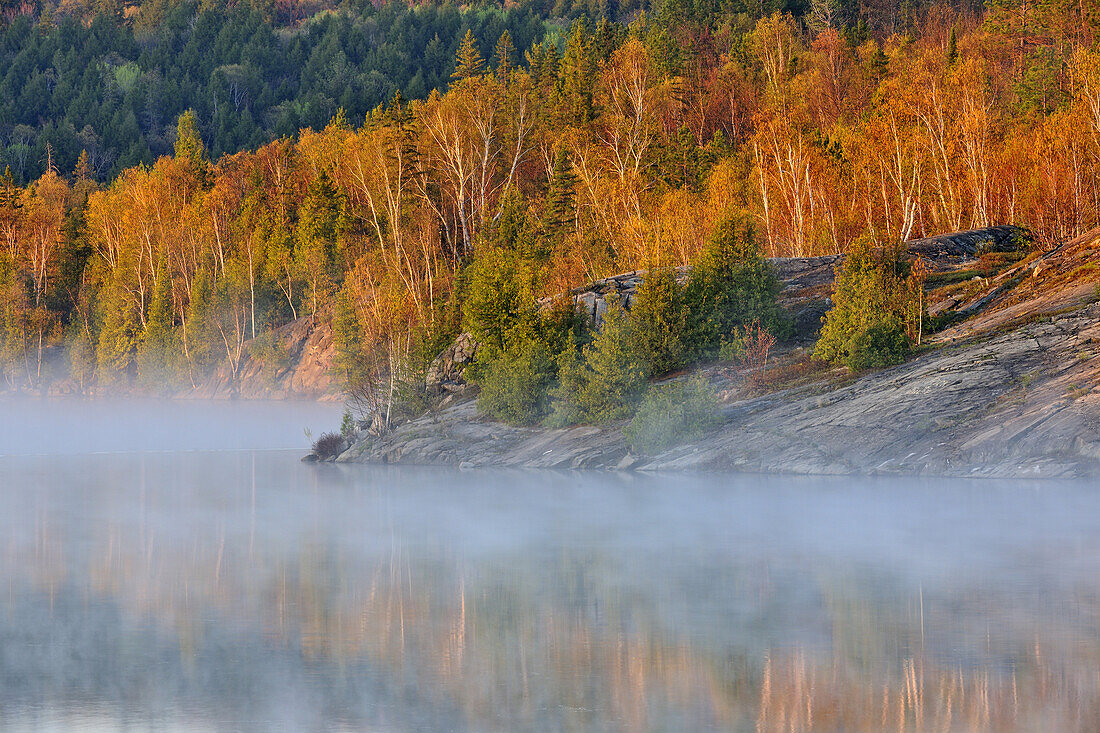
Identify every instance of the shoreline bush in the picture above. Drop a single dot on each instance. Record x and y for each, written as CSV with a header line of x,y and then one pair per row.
x,y
672,414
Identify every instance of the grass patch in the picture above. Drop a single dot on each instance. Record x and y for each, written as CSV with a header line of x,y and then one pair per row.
x,y
951,277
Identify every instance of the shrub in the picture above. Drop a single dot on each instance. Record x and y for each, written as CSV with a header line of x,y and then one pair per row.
x,y
515,385
516,380
878,345
328,445
347,425
660,322
871,301
672,414
605,382
757,343
730,285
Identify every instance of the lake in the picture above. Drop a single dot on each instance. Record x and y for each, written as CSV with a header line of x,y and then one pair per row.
x,y
174,566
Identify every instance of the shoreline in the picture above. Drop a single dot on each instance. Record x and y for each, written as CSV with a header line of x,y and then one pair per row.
x,y
996,405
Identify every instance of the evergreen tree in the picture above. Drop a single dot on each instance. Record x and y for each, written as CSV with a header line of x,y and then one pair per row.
x,y
579,73
119,336
561,197
157,351
660,321
83,169
730,285
468,62
320,223
188,146
502,56
198,328
500,304
607,381
871,303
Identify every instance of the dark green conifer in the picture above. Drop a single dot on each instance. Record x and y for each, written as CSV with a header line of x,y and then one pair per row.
x,y
562,194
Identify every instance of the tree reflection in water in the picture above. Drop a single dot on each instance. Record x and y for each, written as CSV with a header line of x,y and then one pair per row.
x,y
241,590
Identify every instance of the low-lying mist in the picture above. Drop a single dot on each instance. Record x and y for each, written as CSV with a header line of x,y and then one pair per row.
x,y
215,585
47,426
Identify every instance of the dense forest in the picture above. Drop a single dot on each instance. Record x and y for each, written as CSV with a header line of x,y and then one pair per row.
x,y
184,179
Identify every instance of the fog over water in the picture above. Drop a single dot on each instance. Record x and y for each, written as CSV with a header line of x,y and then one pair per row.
x,y
174,566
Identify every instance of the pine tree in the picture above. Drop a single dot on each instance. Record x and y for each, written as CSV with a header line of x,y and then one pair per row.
x,y
83,169
320,223
606,384
197,329
730,285
9,192
579,72
468,62
118,338
503,56
561,198
952,47
156,353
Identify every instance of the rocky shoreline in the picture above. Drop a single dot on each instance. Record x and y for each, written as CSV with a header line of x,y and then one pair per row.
x,y
1007,406
1012,391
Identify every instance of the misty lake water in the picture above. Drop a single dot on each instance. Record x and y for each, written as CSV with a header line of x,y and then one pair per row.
x,y
176,567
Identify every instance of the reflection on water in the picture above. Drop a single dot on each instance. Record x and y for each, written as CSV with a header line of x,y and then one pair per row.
x,y
246,591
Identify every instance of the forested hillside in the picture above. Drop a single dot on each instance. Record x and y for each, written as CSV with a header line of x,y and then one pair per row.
x,y
560,151
115,88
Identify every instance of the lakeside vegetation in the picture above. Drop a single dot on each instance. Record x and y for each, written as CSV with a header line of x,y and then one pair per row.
x,y
152,234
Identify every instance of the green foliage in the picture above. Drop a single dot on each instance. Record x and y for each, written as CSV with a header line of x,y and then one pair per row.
x,y
82,356
251,72
671,414
604,383
321,221
199,327
468,62
118,338
188,145
561,197
516,379
730,285
660,321
878,345
349,365
871,305
271,353
515,384
158,349
499,304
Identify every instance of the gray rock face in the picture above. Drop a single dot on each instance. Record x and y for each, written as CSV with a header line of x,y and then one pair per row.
x,y
445,371
1023,403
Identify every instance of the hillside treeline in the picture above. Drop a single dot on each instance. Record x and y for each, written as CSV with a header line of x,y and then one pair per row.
x,y
74,82
608,148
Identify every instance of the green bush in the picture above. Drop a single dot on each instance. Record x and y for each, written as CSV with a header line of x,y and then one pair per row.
x,y
878,345
516,380
872,303
730,285
672,414
604,383
515,385
659,319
